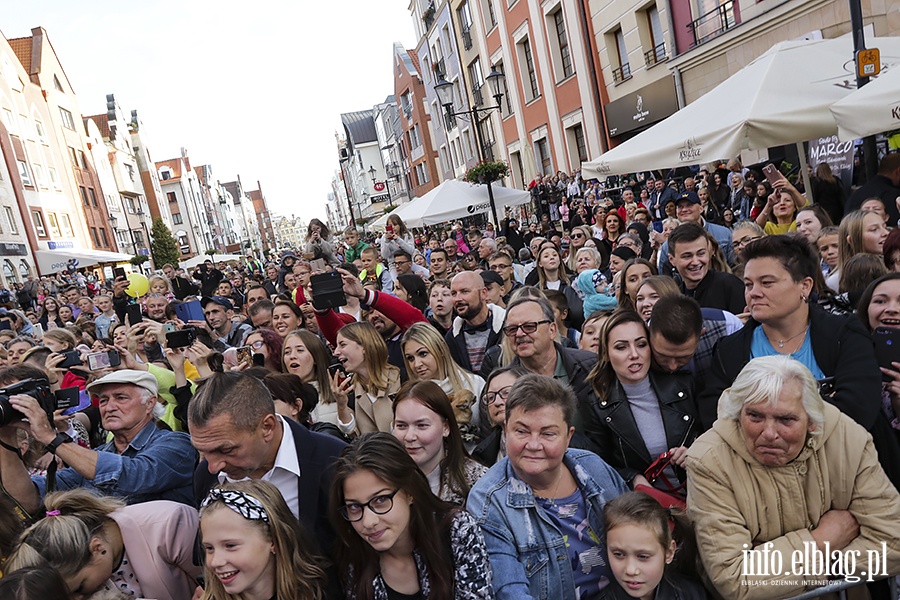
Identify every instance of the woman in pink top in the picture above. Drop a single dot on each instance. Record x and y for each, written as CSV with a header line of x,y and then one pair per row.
x,y
144,550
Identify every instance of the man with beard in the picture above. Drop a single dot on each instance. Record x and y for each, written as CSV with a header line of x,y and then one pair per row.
x,y
389,315
477,325
440,300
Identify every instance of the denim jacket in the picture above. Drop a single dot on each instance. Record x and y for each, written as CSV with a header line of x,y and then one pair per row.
x,y
528,554
156,465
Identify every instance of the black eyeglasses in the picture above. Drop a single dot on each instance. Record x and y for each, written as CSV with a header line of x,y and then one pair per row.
x,y
526,328
501,394
379,505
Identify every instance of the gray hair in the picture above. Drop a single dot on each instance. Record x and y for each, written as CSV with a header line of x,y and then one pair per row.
x,y
595,254
762,380
490,243
633,237
751,225
546,307
671,221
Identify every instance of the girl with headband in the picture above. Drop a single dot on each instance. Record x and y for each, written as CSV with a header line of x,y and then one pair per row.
x,y
254,546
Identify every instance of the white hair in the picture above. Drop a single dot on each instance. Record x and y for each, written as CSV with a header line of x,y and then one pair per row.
x,y
762,380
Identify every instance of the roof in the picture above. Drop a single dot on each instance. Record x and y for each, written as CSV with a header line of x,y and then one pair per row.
x,y
22,48
172,163
360,127
102,122
414,58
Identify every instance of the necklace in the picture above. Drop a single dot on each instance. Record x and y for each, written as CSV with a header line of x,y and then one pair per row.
x,y
552,498
781,343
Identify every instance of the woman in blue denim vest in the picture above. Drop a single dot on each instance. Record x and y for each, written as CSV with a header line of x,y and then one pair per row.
x,y
541,507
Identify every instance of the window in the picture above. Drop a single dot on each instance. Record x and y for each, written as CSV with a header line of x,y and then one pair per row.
x,y
130,169
54,178
10,121
66,117
94,236
657,52
57,84
139,237
623,70
54,226
580,145
465,21
103,237
562,57
421,170
38,220
81,159
66,225
498,66
165,173
10,219
24,173
84,196
491,17
93,196
529,77
544,161
406,104
39,129
477,79
176,219
171,196
39,175
129,204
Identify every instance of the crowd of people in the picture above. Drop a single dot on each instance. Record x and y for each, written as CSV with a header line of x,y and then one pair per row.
x,y
626,394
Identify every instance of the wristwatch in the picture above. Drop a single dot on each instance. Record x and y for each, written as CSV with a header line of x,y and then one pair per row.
x,y
60,439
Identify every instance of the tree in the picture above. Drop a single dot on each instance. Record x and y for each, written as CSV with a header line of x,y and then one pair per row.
x,y
163,246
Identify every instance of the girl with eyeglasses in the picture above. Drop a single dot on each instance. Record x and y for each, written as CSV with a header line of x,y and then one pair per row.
x,y
492,447
268,344
395,538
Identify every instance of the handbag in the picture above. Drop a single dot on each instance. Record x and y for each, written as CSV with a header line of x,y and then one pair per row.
x,y
669,494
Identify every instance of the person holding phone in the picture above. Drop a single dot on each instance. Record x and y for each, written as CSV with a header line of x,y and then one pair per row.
x,y
879,309
318,243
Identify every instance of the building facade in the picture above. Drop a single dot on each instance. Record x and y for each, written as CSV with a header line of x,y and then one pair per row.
x,y
180,188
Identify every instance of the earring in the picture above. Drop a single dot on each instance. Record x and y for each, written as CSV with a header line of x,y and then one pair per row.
x,y
804,297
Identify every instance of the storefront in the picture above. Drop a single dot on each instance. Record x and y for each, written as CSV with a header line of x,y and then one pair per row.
x,y
631,114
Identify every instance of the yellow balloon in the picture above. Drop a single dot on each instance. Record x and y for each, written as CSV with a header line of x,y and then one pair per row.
x,y
138,285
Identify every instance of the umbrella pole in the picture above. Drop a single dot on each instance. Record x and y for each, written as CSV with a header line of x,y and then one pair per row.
x,y
804,170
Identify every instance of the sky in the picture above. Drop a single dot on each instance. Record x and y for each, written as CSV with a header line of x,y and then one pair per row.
x,y
251,88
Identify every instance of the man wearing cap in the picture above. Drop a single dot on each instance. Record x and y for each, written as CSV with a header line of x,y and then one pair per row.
x,y
219,331
141,463
689,209
493,283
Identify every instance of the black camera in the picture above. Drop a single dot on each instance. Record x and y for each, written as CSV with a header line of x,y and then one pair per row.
x,y
39,389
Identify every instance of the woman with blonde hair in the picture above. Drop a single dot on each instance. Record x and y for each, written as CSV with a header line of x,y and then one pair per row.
x,y
364,354
859,232
577,238
254,546
428,358
145,550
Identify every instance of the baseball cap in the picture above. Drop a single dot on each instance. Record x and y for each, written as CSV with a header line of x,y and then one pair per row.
x,y
490,277
142,379
220,300
690,196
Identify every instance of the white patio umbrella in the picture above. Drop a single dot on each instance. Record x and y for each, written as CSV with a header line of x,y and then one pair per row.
x,y
874,108
456,199
782,97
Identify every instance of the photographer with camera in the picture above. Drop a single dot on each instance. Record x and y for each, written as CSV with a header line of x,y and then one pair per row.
x,y
141,463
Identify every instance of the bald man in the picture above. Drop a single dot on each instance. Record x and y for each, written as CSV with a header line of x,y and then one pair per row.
x,y
477,325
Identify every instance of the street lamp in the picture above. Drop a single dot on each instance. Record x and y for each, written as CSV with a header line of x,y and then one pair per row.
x,y
372,174
444,90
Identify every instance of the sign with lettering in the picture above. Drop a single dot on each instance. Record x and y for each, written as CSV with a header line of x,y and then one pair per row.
x,y
8,249
642,108
60,245
838,155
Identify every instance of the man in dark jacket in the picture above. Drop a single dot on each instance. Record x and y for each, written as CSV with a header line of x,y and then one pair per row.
x,y
181,287
209,277
477,324
689,253
234,426
510,231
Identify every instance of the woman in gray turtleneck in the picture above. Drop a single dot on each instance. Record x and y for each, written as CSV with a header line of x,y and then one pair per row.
x,y
637,414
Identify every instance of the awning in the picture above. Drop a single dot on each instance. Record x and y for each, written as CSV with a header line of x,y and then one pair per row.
x,y
54,261
202,258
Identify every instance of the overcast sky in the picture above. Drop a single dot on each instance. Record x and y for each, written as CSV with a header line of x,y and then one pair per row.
x,y
251,88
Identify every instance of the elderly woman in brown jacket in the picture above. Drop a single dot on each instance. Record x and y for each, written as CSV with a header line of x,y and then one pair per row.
x,y
781,475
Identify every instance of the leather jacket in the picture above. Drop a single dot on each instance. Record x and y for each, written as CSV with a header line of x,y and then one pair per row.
x,y
613,433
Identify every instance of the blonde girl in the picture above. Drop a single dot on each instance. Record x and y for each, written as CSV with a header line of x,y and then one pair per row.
x,y
254,547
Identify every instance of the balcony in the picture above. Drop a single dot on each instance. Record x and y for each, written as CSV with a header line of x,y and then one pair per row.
x,y
440,71
467,37
428,16
622,73
656,55
714,23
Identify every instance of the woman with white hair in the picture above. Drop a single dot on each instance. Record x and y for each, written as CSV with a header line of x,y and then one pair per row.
x,y
783,472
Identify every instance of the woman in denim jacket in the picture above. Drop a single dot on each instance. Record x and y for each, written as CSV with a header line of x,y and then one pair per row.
x,y
541,508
